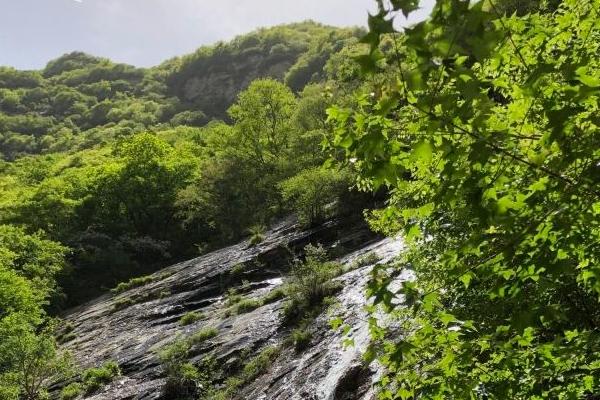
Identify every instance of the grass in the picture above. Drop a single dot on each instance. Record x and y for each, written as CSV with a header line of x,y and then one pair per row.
x,y
203,335
237,269
66,337
138,282
246,305
71,391
257,234
94,378
190,318
182,375
133,283
301,339
369,258
252,370
259,364
243,305
128,301
274,295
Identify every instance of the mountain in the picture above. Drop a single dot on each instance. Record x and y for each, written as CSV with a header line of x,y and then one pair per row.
x,y
80,100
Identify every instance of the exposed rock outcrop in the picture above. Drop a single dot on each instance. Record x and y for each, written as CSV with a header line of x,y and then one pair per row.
x,y
132,326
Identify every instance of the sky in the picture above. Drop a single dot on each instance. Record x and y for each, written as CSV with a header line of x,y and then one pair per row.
x,y
146,32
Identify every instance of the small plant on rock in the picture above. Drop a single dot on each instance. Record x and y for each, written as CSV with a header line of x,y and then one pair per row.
x,y
94,378
309,283
257,234
190,318
71,391
182,376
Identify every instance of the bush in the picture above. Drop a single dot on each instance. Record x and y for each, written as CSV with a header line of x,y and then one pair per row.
x,y
182,376
94,378
190,318
309,283
203,335
71,391
311,191
301,339
257,234
247,305
132,283
259,364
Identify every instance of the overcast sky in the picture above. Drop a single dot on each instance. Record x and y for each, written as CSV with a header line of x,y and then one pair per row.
x,y
147,32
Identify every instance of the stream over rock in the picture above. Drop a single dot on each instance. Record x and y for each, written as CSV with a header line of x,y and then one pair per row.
x,y
131,327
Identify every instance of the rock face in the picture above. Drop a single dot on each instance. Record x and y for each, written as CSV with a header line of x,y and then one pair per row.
x,y
132,326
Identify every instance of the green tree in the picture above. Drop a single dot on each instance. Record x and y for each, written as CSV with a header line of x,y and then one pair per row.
x,y
483,128
262,115
314,193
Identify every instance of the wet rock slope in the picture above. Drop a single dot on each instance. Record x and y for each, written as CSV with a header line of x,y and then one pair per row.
x,y
132,326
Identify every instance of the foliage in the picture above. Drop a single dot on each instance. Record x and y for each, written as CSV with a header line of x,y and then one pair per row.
x,y
71,391
29,361
94,378
301,339
295,52
312,191
34,257
309,283
484,129
203,335
181,374
190,318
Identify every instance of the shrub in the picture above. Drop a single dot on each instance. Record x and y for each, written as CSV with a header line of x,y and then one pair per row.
x,y
132,283
203,335
309,283
257,234
247,305
259,364
71,391
94,378
181,375
301,339
190,318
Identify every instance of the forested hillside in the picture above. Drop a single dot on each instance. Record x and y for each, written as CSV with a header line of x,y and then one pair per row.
x,y
111,172
135,170
79,101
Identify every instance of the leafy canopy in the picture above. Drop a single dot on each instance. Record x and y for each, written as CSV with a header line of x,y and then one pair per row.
x,y
484,128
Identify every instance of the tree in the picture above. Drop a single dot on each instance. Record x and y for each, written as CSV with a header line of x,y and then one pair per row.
x,y
32,358
28,356
262,115
483,128
313,193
